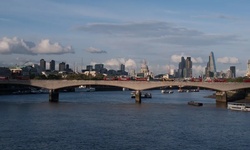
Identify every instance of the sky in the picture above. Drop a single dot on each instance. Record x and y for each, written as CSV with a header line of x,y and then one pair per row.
x,y
160,32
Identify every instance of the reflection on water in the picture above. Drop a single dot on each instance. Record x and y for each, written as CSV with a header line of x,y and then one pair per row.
x,y
221,105
112,120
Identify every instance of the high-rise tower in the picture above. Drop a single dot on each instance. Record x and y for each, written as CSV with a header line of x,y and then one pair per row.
x,y
52,65
211,67
43,65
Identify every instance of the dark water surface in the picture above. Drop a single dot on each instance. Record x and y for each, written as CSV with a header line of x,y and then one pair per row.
x,y
113,121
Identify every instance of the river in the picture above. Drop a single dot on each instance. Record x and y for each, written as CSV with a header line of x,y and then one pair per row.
x,y
111,120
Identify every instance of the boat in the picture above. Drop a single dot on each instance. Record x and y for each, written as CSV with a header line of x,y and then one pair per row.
x,y
195,103
143,95
90,89
167,91
83,88
238,106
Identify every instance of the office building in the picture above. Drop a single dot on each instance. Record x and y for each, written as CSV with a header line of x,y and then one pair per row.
x,y
233,71
52,65
42,65
210,70
122,67
185,68
62,66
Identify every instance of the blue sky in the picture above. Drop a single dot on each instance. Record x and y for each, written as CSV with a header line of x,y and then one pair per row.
x,y
82,32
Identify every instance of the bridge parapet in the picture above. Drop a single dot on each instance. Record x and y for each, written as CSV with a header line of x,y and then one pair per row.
x,y
135,85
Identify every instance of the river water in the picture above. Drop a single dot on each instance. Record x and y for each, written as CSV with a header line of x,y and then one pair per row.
x,y
113,121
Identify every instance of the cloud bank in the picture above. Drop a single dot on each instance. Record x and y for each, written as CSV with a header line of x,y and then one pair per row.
x,y
20,46
116,62
95,50
228,60
177,58
161,32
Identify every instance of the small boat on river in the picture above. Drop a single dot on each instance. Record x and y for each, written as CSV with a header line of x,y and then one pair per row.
x,y
195,103
238,106
143,94
167,91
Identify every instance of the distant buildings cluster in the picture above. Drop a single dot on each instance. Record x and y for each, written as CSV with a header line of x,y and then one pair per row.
x,y
184,70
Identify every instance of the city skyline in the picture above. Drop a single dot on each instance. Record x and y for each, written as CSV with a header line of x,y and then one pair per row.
x,y
114,32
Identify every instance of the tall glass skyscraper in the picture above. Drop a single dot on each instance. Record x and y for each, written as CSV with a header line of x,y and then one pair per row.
x,y
211,67
185,68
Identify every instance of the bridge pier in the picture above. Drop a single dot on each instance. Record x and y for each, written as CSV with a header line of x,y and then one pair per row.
x,y
138,96
230,96
53,95
221,97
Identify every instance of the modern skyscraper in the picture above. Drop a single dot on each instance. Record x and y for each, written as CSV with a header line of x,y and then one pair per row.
x,y
233,71
211,67
122,67
43,65
185,68
99,67
181,67
188,68
52,65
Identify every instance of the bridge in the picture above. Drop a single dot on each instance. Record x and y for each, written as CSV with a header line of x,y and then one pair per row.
x,y
54,85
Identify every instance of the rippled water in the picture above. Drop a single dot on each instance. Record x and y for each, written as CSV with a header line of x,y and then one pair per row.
x,y
112,120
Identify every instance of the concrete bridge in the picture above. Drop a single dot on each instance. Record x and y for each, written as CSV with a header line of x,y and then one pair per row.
x,y
54,85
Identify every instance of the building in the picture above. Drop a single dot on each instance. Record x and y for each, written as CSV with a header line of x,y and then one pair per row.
x,y
248,68
181,67
122,67
99,68
144,69
233,71
185,68
42,65
210,70
89,67
62,66
52,65
187,71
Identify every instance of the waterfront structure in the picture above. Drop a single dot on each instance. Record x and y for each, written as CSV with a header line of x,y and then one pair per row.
x,y
233,71
62,66
210,70
55,85
52,65
42,65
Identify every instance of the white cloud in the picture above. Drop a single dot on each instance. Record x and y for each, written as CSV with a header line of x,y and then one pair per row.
x,y
47,47
177,58
228,60
95,50
20,46
198,70
116,62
